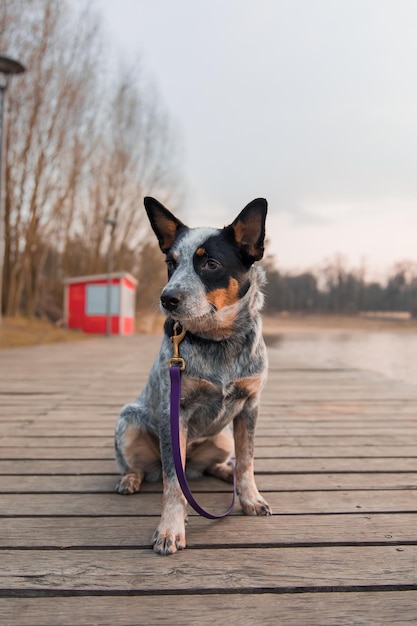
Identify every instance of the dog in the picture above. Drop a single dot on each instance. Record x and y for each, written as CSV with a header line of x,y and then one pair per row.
x,y
214,292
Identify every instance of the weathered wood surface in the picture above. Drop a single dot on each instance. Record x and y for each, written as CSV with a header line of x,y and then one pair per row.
x,y
336,456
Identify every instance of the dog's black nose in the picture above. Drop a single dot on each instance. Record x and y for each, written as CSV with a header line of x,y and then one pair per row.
x,y
170,300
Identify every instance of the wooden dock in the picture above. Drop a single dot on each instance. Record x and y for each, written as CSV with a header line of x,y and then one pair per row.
x,y
336,457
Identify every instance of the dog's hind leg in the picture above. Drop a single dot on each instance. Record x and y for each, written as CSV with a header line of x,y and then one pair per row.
x,y
137,451
212,456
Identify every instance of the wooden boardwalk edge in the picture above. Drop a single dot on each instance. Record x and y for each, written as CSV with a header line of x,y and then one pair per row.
x,y
336,455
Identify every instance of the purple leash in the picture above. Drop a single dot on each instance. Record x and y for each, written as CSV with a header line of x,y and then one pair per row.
x,y
176,364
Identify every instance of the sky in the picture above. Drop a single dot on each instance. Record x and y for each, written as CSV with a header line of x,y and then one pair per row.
x,y
311,104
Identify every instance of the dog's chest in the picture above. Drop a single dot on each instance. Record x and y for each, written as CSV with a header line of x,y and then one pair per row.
x,y
209,407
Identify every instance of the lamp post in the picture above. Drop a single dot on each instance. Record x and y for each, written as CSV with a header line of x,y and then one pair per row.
x,y
7,66
112,222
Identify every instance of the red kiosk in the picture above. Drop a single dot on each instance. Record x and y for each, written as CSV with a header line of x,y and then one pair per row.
x,y
104,303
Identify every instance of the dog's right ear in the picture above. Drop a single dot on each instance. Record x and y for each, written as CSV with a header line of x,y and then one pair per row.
x,y
165,225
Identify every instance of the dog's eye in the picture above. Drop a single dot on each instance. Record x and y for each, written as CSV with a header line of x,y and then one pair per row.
x,y
211,264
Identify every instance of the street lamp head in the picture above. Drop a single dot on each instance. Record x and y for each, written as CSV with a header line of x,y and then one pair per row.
x,y
10,66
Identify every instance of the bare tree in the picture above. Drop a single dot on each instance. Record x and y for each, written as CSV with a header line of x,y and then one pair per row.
x,y
79,146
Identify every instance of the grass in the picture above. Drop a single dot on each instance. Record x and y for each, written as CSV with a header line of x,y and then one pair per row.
x,y
18,331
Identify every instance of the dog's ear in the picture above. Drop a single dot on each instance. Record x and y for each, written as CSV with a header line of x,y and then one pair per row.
x,y
248,230
165,225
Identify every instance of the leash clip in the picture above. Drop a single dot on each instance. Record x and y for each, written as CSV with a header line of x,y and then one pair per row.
x,y
176,340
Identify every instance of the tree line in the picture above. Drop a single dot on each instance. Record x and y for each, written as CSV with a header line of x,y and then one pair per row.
x,y
336,289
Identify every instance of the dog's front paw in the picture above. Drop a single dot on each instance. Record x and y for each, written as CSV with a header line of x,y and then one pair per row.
x,y
129,483
256,506
167,541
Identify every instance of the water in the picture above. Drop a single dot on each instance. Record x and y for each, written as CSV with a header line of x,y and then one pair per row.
x,y
388,353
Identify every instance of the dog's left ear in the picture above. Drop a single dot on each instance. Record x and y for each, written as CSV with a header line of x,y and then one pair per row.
x,y
248,230
164,224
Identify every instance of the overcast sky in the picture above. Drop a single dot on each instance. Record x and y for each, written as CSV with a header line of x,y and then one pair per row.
x,y
309,103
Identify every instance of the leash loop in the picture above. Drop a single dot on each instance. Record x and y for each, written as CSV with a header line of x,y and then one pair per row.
x,y
176,366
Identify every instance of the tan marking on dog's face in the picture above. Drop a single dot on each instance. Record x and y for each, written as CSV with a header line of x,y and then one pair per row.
x,y
224,297
200,252
219,326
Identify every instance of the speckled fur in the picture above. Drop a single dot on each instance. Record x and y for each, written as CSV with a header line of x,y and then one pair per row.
x,y
226,366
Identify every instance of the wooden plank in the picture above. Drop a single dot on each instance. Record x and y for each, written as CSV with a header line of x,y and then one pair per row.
x,y
317,396
56,442
275,417
268,609
272,466
324,394
272,411
280,530
269,423
362,440
266,482
283,503
315,391
264,452
334,464
266,435
58,453
281,569
337,410
342,451
316,429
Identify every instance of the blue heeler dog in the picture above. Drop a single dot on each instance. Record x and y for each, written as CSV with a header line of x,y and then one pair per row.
x,y
213,290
